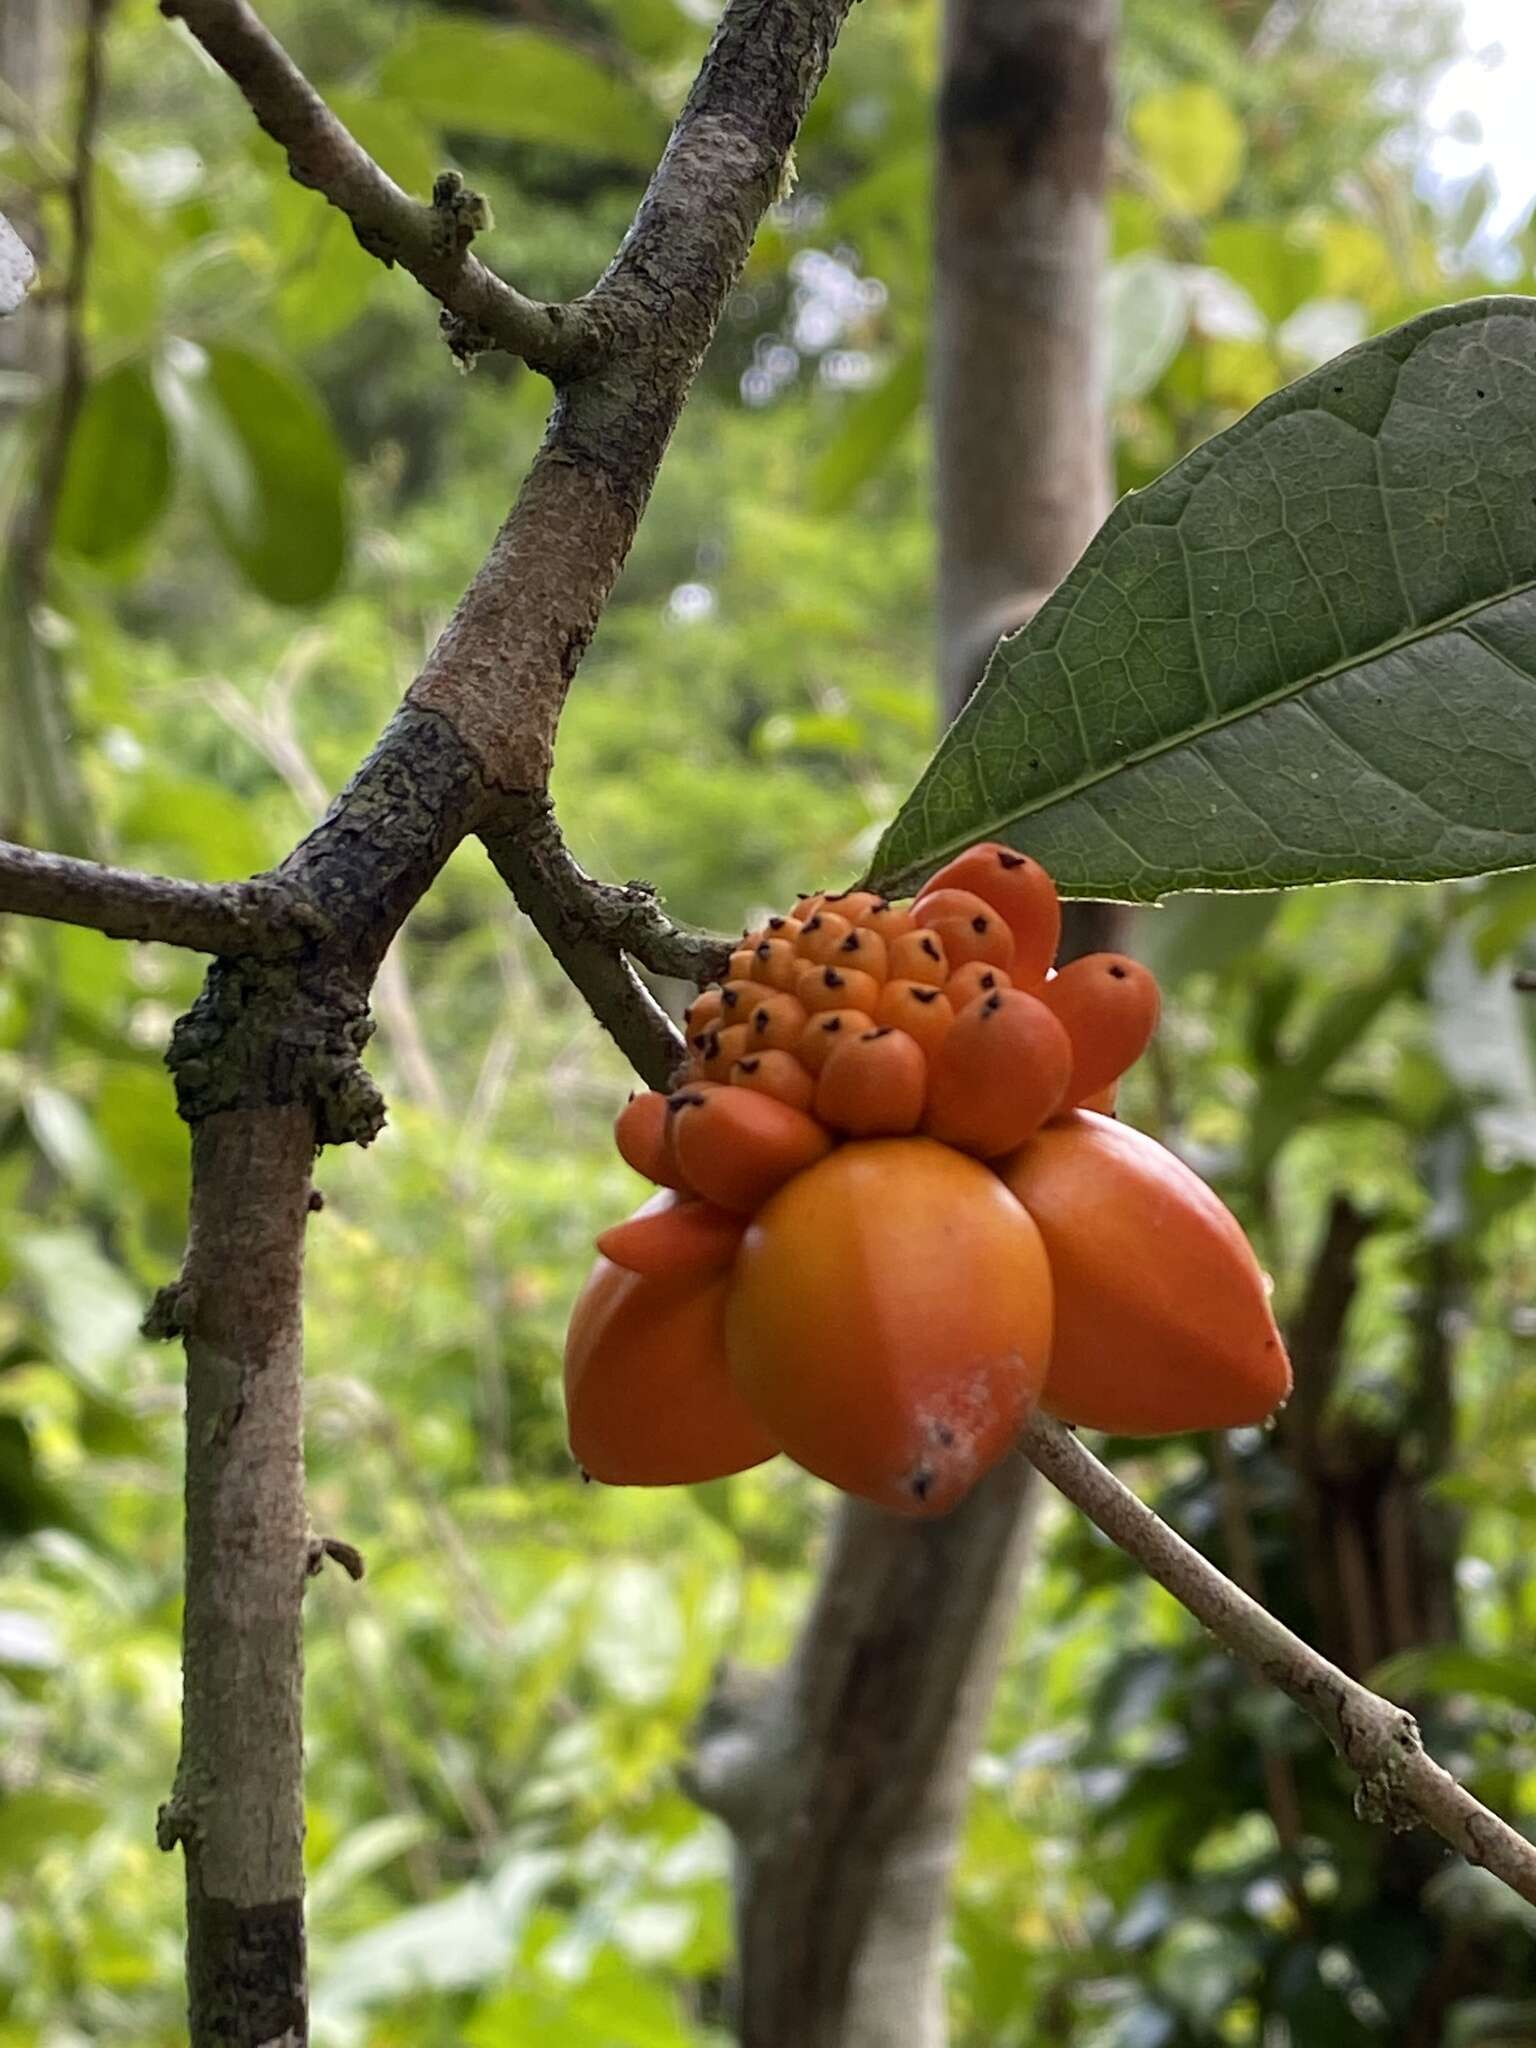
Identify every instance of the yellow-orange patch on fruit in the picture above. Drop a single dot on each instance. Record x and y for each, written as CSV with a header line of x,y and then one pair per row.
x,y
821,935
1163,1320
649,1401
889,1320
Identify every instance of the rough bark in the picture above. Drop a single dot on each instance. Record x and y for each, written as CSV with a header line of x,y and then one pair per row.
x,y
846,1779
237,1807
267,1063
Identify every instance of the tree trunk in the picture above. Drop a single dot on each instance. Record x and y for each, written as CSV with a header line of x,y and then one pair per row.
x,y
845,1778
238,1806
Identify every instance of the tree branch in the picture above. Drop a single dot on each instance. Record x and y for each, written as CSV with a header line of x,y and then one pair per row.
x,y
261,918
431,242
590,926
1400,1784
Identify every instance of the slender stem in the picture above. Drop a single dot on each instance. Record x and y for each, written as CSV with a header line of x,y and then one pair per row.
x,y
431,242
1400,1783
261,917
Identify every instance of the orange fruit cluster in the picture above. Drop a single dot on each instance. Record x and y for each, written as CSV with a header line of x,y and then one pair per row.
x,y
896,1212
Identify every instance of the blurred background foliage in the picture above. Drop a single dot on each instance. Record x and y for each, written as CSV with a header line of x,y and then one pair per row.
x,y
277,489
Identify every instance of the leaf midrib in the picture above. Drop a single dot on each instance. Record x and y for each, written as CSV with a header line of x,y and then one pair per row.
x,y
1190,735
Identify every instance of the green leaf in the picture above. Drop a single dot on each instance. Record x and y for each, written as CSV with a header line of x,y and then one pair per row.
x,y
1277,270
1480,1035
366,1849
1203,934
1306,654
1192,144
617,2006
1288,1090
522,86
268,465
118,476
35,1820
1509,1679
90,1308
28,1501
868,430
1146,316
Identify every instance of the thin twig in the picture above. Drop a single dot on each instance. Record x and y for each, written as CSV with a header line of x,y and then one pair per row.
x,y
430,241
347,1555
41,716
258,918
1400,1784
592,926
35,535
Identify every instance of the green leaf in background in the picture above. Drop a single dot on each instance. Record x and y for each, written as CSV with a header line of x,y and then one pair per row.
x,y
1146,316
118,477
1509,1679
89,1307
1306,654
1193,145
659,30
28,1501
1480,1034
270,470
31,1820
868,430
1204,934
522,86
1276,268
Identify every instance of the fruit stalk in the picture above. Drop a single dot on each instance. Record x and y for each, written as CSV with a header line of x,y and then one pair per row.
x,y
1401,1785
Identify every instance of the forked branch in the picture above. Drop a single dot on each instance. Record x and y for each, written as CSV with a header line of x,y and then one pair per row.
x,y
1400,1783
430,241
596,930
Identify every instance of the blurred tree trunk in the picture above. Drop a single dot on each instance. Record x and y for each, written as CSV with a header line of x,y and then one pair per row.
x,y
844,1777
40,785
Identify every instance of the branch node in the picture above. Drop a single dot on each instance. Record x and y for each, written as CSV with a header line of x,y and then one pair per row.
x,y
467,341
347,1555
175,1822
461,213
1382,1793
170,1313
263,1033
